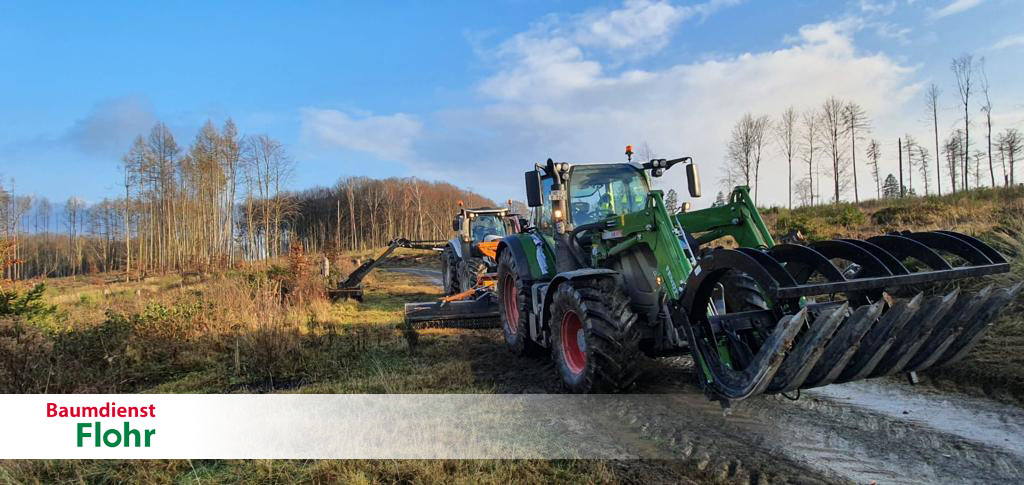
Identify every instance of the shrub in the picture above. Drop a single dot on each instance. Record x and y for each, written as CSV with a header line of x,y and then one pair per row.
x,y
24,356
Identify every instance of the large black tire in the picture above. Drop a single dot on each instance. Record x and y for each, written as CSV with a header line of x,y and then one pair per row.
x,y
741,293
514,302
449,271
470,270
594,312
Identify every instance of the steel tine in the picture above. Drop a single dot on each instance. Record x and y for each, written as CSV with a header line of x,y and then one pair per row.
x,y
752,380
917,331
944,334
880,339
800,362
845,343
939,307
970,337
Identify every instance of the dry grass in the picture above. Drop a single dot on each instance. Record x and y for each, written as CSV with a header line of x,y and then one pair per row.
x,y
317,471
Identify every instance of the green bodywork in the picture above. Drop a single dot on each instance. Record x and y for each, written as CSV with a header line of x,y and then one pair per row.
x,y
662,233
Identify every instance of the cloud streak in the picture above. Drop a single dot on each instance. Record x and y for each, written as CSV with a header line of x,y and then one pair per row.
x,y
955,7
385,137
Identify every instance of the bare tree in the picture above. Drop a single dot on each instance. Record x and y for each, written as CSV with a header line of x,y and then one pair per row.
x,y
931,101
952,152
874,156
786,133
832,134
1010,143
810,120
987,109
745,149
910,145
963,69
924,164
855,121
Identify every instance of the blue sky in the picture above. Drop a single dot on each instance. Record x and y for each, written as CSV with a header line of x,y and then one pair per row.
x,y
472,92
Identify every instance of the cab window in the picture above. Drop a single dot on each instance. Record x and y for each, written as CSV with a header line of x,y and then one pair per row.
x,y
484,225
600,191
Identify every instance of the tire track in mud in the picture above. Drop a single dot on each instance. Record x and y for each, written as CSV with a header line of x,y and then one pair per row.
x,y
860,432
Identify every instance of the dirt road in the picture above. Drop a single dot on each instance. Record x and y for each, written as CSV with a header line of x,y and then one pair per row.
x,y
879,430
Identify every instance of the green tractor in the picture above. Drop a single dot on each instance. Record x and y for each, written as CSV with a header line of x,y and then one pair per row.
x,y
606,273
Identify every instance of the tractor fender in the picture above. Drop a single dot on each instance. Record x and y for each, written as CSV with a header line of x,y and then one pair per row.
x,y
532,262
456,247
568,276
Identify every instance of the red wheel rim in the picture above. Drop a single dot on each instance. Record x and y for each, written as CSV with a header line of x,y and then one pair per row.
x,y
511,300
573,343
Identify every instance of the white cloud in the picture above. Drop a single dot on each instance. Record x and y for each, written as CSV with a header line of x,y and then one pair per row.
x,y
1009,41
561,54
386,137
873,7
557,101
955,7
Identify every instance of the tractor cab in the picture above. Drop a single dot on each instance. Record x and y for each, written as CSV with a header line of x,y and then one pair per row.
x,y
597,192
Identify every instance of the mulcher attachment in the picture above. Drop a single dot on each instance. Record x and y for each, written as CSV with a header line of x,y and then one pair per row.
x,y
477,309
831,319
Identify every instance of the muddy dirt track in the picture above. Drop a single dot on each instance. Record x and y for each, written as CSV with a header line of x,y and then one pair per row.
x,y
877,430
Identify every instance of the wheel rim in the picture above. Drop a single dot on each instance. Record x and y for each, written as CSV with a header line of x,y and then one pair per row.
x,y
574,345
510,297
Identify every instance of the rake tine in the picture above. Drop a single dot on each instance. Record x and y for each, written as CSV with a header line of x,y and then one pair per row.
x,y
944,334
970,337
800,362
880,339
844,344
941,308
917,331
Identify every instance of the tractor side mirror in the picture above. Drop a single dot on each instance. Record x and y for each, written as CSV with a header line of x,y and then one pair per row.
x,y
693,179
534,192
455,225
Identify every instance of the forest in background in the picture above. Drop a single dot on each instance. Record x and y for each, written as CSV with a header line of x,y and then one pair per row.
x,y
219,201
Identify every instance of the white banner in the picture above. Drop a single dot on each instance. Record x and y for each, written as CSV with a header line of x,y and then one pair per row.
x,y
308,426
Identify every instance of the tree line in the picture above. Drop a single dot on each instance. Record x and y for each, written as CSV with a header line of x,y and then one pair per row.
x,y
827,140
220,200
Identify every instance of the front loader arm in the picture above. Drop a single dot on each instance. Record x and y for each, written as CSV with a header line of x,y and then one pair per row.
x,y
661,232
739,219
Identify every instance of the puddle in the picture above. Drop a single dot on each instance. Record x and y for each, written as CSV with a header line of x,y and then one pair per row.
x,y
994,424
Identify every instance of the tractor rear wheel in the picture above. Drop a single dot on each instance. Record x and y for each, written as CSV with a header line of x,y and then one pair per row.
x,y
594,337
514,304
449,271
470,270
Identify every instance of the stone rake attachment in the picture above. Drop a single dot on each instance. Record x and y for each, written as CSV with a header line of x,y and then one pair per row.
x,y
830,318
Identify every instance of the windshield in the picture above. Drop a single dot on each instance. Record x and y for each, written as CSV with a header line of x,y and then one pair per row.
x,y
483,225
599,191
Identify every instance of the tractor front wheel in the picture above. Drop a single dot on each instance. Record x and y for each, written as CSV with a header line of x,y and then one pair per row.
x,y
515,307
449,271
470,270
594,338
